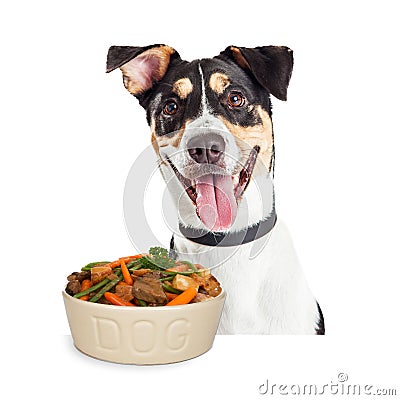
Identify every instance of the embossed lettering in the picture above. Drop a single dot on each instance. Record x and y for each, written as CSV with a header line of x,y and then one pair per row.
x,y
107,332
177,334
143,339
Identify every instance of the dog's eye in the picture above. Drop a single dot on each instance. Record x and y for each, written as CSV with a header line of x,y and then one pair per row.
x,y
170,108
235,99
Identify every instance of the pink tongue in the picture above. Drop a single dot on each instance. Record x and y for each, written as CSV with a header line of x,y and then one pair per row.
x,y
216,203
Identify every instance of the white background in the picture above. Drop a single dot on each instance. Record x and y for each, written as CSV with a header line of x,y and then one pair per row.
x,y
70,132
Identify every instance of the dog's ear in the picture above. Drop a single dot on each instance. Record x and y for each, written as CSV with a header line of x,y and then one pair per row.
x,y
271,66
141,66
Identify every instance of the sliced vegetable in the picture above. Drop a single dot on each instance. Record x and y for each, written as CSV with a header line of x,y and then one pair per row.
x,y
126,259
106,288
87,267
182,282
92,289
141,272
86,284
203,272
184,298
170,289
171,296
147,279
190,265
168,278
173,273
116,300
179,268
122,283
126,274
135,264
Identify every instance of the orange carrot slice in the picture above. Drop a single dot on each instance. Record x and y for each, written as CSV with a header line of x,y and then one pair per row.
x,y
117,263
86,284
125,273
183,298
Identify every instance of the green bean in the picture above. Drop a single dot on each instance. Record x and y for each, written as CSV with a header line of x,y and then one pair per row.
x,y
135,268
117,271
190,265
168,278
89,266
171,289
133,263
142,303
173,273
106,288
92,289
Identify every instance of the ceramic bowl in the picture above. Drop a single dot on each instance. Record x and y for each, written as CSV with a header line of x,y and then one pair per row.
x,y
143,335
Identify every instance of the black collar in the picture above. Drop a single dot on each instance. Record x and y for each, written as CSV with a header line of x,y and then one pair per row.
x,y
229,239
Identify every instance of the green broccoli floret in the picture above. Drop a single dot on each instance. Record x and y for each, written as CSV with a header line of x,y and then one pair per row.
x,y
158,252
158,259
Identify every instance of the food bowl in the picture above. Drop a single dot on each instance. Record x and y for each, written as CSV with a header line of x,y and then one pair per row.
x,y
143,335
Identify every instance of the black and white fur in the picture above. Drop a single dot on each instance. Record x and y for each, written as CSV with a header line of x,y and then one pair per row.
x,y
227,98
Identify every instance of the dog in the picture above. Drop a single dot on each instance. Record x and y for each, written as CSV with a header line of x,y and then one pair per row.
x,y
211,128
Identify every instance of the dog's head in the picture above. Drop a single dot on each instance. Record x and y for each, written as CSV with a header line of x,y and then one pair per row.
x,y
210,120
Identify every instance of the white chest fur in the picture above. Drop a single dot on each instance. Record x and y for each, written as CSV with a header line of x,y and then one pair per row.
x,y
266,294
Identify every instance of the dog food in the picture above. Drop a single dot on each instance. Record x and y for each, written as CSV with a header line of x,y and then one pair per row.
x,y
146,280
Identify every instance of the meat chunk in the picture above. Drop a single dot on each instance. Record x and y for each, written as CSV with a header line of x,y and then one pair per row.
x,y
204,272
71,277
124,291
209,283
201,297
80,276
141,272
99,273
155,274
103,300
212,286
179,268
73,287
149,288
198,279
112,276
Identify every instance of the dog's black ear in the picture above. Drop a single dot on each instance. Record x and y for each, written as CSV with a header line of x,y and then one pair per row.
x,y
141,66
271,66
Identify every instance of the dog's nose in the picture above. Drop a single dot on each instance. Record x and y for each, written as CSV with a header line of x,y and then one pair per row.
x,y
206,149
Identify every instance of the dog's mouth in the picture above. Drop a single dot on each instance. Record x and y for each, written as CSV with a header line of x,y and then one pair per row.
x,y
216,196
